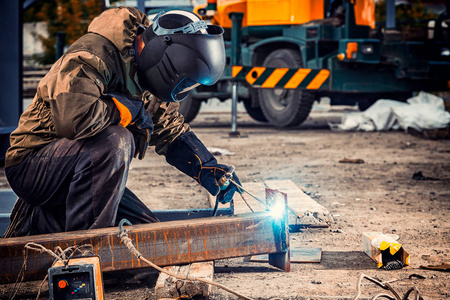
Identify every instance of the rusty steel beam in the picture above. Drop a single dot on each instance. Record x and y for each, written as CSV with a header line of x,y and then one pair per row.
x,y
164,243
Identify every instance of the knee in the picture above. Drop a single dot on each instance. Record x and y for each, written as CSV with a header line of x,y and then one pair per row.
x,y
115,142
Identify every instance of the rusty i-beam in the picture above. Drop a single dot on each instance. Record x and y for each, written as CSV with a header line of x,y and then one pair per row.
x,y
164,243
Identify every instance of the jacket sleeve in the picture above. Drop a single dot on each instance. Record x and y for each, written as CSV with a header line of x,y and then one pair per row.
x,y
77,106
168,122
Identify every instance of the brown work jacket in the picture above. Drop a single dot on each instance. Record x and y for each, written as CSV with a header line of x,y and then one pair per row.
x,y
71,100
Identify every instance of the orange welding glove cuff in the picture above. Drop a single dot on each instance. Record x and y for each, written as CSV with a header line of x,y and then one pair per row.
x,y
132,111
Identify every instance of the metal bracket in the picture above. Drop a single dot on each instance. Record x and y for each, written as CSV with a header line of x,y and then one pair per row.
x,y
280,259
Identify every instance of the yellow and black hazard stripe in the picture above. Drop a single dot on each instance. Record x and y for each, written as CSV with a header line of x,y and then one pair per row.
x,y
263,77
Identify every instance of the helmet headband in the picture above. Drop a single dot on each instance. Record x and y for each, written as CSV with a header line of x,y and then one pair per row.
x,y
189,28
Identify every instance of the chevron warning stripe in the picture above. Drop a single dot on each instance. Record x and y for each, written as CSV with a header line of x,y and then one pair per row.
x,y
282,77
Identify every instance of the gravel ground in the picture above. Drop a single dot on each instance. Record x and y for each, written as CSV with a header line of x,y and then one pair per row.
x,y
377,195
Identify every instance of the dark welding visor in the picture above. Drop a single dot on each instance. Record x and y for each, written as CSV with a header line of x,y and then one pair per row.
x,y
172,65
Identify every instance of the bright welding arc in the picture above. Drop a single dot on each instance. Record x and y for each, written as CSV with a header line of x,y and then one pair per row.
x,y
257,199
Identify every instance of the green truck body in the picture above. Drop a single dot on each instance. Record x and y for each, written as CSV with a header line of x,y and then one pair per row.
x,y
387,63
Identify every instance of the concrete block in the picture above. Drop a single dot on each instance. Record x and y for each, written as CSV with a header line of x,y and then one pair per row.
x,y
171,287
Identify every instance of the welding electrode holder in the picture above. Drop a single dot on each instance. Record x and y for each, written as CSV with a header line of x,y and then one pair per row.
x,y
224,182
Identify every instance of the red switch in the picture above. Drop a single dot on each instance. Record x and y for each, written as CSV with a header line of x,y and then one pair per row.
x,y
62,284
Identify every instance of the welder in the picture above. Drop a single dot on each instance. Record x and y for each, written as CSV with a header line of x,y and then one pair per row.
x,y
112,94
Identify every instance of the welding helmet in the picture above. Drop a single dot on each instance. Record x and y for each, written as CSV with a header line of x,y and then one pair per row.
x,y
181,52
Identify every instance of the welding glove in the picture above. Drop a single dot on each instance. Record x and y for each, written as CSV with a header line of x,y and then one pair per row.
x,y
136,119
188,154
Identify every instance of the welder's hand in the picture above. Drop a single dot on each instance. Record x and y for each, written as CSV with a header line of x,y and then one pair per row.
x,y
209,178
141,139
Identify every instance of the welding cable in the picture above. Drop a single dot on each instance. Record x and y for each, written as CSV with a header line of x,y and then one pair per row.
x,y
123,234
387,286
216,207
416,291
384,285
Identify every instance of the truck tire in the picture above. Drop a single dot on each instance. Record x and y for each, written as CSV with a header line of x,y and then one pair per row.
x,y
254,111
284,107
189,108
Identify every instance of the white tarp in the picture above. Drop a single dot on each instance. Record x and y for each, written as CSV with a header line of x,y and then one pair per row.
x,y
424,111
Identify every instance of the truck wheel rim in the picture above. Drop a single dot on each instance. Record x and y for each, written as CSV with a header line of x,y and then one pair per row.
x,y
279,99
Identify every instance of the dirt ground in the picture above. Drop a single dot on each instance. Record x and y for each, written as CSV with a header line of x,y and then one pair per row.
x,y
377,195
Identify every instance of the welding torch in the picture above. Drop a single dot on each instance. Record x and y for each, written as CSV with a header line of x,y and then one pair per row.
x,y
224,181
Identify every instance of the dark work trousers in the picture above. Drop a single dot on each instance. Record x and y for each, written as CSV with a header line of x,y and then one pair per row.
x,y
75,185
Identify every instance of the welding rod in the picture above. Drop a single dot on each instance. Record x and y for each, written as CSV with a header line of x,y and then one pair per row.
x,y
256,198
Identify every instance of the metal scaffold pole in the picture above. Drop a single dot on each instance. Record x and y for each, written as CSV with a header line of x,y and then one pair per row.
x,y
11,70
236,19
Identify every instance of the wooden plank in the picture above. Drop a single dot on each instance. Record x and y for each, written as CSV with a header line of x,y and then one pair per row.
x,y
312,214
298,255
171,287
164,243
